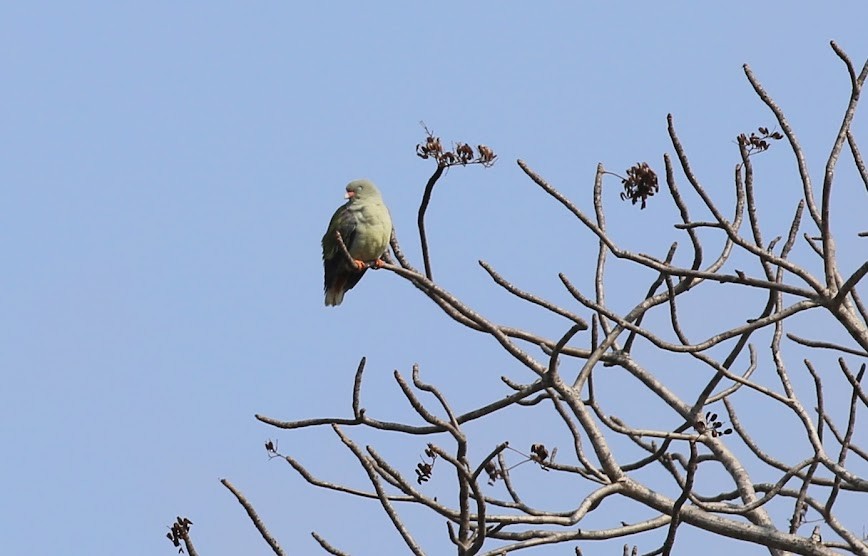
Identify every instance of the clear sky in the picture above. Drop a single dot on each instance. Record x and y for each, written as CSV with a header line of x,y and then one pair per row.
x,y
167,170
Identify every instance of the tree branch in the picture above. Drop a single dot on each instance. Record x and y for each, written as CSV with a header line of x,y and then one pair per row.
x,y
260,526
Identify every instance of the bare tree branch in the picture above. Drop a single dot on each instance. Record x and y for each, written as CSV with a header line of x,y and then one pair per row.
x,y
646,378
257,522
666,549
420,220
857,158
824,345
326,546
381,493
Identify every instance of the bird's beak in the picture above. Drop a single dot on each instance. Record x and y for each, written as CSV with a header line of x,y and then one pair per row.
x,y
349,194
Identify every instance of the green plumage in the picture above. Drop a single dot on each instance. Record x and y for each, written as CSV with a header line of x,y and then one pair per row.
x,y
366,227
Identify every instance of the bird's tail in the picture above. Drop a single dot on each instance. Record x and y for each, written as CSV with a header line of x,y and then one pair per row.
x,y
335,289
334,295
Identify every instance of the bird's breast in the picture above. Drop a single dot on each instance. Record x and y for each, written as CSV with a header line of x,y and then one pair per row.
x,y
374,228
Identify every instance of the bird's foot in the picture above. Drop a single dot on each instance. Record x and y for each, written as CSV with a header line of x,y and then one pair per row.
x,y
360,265
379,263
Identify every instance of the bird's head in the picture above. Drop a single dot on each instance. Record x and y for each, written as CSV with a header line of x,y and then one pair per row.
x,y
362,189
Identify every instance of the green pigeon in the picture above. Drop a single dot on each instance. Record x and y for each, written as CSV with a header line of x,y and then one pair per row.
x,y
366,227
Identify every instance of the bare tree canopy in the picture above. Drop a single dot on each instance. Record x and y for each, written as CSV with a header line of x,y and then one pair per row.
x,y
693,460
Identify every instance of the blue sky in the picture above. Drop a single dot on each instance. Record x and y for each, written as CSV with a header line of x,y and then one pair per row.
x,y
167,171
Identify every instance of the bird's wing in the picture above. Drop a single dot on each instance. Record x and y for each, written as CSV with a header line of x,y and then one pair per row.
x,y
345,222
340,275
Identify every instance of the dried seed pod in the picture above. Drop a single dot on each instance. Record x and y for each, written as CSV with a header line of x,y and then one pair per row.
x,y
640,183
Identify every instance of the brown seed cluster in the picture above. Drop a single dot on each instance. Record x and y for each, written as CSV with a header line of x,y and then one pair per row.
x,y
539,453
425,469
640,183
461,154
759,143
712,425
493,472
178,531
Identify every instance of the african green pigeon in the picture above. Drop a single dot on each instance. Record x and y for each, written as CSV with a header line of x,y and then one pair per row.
x,y
366,227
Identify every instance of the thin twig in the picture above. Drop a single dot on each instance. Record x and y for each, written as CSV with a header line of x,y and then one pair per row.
x,y
381,493
346,252
666,549
807,188
828,179
854,380
824,345
857,158
326,546
536,300
310,478
685,214
845,443
840,438
358,412
260,526
423,207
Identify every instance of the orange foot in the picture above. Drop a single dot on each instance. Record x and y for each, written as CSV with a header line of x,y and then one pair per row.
x,y
360,265
379,263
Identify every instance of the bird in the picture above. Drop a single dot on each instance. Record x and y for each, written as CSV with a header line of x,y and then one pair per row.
x,y
365,226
